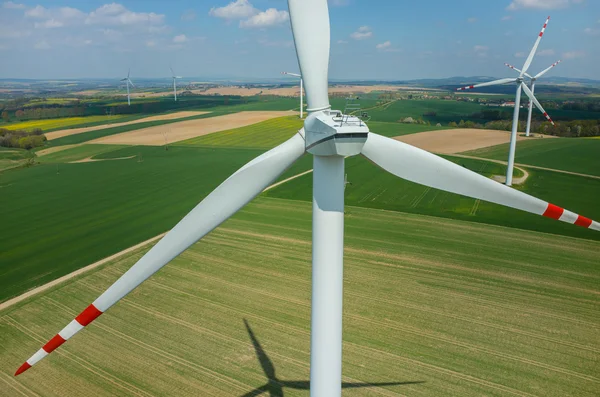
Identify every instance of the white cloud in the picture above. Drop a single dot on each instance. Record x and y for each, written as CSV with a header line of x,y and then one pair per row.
x,y
480,48
541,4
42,45
471,20
342,42
188,15
384,45
573,54
179,39
520,55
239,9
50,23
13,6
270,17
506,18
117,14
592,32
364,32
545,53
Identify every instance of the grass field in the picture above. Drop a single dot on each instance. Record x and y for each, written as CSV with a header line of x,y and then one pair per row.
x,y
569,154
12,158
76,153
271,133
64,122
374,188
54,223
462,309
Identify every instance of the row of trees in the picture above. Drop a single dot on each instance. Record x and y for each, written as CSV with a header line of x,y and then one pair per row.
x,y
22,139
575,128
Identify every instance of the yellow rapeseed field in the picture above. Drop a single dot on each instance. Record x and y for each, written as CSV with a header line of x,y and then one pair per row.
x,y
51,124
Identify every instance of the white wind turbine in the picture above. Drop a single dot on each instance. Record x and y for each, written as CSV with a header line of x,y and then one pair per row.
x,y
329,137
532,85
128,81
520,86
301,91
174,83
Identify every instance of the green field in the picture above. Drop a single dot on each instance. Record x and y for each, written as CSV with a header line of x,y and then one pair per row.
x,y
78,152
444,307
374,188
271,133
54,223
570,154
13,158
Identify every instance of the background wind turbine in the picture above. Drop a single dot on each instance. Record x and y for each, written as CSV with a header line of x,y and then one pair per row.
x,y
520,87
330,137
301,91
174,83
532,88
128,81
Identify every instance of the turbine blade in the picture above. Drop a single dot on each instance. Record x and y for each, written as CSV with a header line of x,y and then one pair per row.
x,y
172,72
235,192
517,70
533,99
495,82
420,166
128,72
543,72
131,82
534,49
310,28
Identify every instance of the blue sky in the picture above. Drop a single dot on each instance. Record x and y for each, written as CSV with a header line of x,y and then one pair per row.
x,y
370,39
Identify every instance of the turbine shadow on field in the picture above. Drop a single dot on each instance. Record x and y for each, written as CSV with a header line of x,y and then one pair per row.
x,y
275,386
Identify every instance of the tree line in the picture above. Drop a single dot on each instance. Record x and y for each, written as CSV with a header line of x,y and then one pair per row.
x,y
22,139
570,129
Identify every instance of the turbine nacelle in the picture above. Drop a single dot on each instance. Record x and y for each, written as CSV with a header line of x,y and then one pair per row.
x,y
331,133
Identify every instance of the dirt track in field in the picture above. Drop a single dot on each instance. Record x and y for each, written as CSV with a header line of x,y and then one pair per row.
x,y
170,116
456,140
175,132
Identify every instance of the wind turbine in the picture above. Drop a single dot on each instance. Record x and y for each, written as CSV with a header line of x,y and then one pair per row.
x,y
330,137
532,85
174,83
128,81
301,91
520,86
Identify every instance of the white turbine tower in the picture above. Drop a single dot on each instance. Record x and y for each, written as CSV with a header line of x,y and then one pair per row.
x,y
301,91
128,81
329,137
174,83
532,88
520,86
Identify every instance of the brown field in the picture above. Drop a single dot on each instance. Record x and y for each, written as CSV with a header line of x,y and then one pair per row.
x,y
170,116
153,136
456,140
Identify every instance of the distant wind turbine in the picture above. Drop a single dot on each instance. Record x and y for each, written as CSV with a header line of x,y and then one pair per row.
x,y
532,88
301,90
520,86
175,83
128,81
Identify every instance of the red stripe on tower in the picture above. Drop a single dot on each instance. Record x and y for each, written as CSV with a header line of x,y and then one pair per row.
x,y
53,343
583,221
553,211
23,368
88,315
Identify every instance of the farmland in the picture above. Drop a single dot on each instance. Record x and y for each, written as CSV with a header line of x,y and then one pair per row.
x,y
64,122
443,307
569,154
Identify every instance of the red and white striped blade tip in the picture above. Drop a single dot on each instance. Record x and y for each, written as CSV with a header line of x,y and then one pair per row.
x,y
559,213
83,319
470,87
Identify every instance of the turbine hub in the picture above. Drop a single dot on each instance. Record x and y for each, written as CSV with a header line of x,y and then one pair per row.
x,y
332,133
